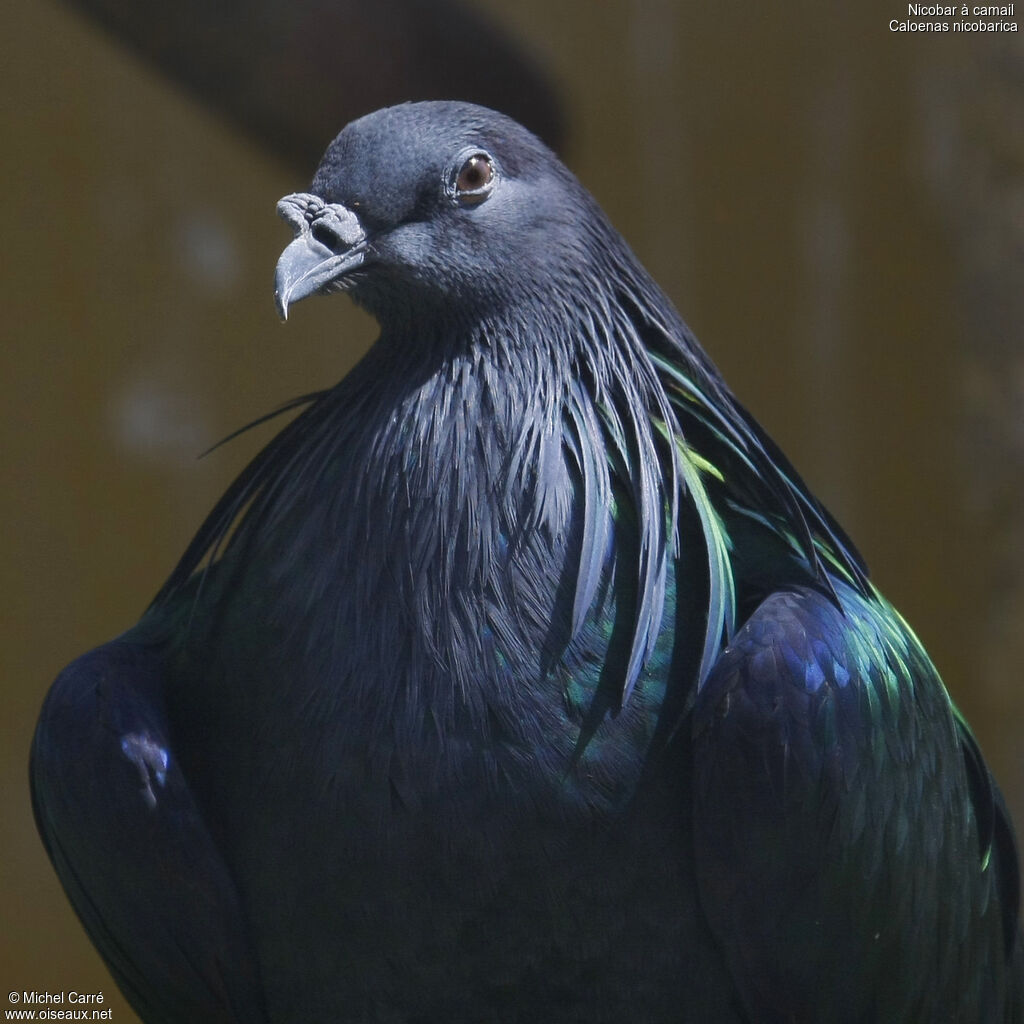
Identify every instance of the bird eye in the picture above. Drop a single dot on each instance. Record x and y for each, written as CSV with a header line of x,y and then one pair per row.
x,y
475,178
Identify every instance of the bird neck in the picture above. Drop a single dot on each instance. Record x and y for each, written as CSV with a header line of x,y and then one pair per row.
x,y
444,522
413,513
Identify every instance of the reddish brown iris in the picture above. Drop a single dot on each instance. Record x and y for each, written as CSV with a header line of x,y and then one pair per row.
x,y
474,177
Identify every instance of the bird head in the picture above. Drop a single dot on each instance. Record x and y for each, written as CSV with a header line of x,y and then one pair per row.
x,y
434,206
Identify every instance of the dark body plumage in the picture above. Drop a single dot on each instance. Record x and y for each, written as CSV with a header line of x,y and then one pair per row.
x,y
520,677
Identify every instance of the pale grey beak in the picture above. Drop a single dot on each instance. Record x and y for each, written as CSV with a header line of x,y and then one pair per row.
x,y
329,242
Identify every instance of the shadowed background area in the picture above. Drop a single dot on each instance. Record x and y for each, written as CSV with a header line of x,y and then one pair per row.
x,y
837,210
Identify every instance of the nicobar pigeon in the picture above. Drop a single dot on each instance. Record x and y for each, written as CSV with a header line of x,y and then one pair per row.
x,y
520,678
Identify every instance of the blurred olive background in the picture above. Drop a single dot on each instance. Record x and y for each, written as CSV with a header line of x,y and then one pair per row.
x,y
838,210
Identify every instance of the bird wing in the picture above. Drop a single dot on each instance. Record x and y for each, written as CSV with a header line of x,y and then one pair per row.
x,y
131,847
838,795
